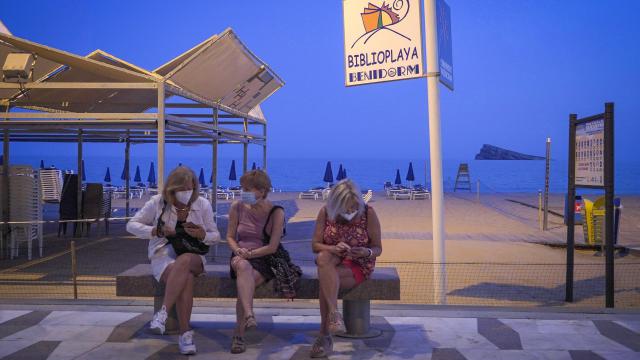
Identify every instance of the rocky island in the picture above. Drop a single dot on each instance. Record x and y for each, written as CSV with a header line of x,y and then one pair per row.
x,y
490,152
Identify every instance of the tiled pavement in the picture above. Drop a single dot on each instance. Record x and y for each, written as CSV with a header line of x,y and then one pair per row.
x,y
76,333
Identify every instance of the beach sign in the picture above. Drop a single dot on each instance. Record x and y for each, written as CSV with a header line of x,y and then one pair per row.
x,y
382,41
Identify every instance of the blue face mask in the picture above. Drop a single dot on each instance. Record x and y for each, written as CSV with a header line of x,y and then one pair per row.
x,y
248,197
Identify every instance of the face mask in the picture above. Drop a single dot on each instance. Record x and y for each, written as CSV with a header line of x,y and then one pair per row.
x,y
248,197
349,216
184,196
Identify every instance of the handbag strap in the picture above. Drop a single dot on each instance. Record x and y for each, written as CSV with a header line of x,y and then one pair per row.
x,y
265,235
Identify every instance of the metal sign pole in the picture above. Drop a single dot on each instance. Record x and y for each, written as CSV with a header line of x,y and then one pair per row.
x,y
435,147
571,194
546,186
609,193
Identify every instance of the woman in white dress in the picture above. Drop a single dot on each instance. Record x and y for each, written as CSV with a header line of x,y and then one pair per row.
x,y
178,209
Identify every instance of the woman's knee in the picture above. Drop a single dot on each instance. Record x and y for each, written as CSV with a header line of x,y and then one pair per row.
x,y
326,258
182,261
241,265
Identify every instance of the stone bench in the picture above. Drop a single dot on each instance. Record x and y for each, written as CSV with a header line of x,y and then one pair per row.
x,y
384,284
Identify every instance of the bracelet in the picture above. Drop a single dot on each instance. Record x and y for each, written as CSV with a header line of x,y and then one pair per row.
x,y
370,252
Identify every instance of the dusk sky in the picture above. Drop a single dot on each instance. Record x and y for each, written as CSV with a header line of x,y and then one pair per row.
x,y
520,68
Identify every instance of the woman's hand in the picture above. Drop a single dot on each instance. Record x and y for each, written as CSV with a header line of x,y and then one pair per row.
x,y
242,252
195,231
166,231
342,248
359,252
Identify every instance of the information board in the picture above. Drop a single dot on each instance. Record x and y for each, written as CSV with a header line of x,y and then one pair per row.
x,y
589,153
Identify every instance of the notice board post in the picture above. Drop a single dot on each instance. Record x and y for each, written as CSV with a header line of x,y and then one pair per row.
x,y
591,166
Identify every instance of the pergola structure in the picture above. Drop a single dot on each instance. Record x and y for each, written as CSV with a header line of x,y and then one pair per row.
x,y
215,91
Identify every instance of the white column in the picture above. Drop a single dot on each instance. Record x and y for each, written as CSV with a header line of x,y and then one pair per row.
x,y
435,147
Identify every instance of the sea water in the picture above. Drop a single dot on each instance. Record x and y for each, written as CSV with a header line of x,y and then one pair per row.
x,y
302,174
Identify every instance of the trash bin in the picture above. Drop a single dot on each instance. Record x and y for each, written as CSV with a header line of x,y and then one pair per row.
x,y
594,214
587,220
577,207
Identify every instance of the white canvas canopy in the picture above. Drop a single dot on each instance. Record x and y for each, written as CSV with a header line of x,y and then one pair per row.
x,y
216,89
220,71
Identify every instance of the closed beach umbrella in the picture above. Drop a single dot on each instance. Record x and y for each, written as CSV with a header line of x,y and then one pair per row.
x,y
253,167
137,178
410,176
339,176
328,173
107,176
398,179
344,173
151,178
201,178
125,172
232,171
84,176
41,164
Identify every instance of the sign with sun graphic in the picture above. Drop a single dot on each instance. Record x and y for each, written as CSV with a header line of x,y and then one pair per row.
x,y
382,41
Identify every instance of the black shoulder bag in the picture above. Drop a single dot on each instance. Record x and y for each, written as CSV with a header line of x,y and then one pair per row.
x,y
286,272
182,242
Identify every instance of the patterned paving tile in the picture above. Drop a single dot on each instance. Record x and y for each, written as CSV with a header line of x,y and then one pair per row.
x,y
106,335
561,335
459,333
629,324
18,323
584,355
619,334
516,354
38,350
500,334
447,354
7,315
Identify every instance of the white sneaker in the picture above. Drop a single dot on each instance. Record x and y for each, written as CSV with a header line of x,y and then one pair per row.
x,y
159,320
187,347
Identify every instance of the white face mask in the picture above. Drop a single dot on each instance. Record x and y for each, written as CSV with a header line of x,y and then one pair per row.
x,y
248,197
184,196
349,216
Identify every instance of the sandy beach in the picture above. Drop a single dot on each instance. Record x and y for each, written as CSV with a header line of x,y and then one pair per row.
x,y
495,252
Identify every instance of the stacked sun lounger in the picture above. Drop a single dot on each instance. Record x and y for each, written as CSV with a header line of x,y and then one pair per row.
x,y
50,185
25,208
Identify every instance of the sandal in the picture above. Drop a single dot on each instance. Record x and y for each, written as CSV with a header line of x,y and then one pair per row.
x,y
237,345
322,347
250,323
336,324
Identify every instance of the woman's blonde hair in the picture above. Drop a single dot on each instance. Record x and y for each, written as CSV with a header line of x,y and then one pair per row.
x,y
178,178
256,179
343,193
